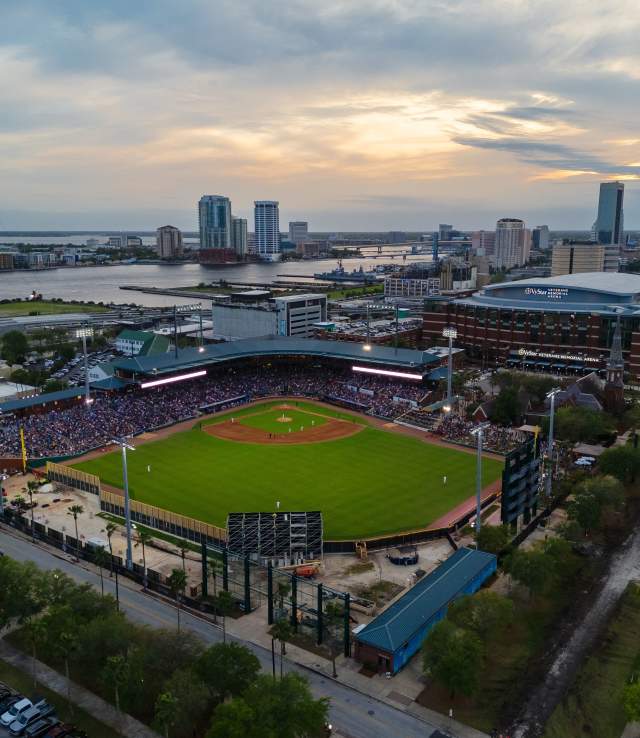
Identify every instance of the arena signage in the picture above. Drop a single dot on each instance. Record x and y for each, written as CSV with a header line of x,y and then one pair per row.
x,y
551,293
550,355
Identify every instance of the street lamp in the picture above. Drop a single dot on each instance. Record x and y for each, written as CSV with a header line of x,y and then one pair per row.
x,y
127,507
552,397
478,432
83,333
450,332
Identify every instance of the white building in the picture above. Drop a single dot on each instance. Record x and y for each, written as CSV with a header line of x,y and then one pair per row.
x,y
169,244
513,243
267,225
239,236
410,289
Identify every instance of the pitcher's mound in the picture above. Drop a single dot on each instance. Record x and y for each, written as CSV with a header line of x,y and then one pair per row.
x,y
284,419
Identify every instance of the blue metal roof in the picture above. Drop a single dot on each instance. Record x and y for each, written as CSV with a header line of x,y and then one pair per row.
x,y
273,346
398,623
67,394
108,383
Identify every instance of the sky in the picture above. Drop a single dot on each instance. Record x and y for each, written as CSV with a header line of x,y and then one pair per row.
x,y
354,114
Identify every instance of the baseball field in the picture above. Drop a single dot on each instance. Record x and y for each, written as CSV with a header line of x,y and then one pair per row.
x,y
365,480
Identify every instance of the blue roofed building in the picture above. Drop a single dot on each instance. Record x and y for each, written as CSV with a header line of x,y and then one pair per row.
x,y
389,641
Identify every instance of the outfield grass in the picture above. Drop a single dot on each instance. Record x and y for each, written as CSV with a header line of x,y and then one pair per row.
x,y
43,307
372,483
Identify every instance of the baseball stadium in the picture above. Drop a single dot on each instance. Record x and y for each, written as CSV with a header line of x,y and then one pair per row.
x,y
266,425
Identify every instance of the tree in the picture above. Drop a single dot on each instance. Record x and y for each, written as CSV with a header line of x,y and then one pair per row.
x,y
100,559
282,632
183,546
143,538
533,569
110,529
15,347
31,489
268,709
23,592
224,605
581,424
36,633
506,407
493,538
177,585
115,674
483,613
191,702
631,701
214,567
67,642
333,618
621,462
75,511
227,669
592,498
66,351
165,712
453,656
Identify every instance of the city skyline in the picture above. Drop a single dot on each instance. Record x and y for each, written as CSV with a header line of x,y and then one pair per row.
x,y
373,116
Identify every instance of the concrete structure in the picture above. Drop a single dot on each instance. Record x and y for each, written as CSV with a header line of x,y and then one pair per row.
x,y
575,257
141,343
410,290
214,218
298,231
14,391
267,225
169,244
561,324
512,244
239,237
294,315
609,226
483,243
389,641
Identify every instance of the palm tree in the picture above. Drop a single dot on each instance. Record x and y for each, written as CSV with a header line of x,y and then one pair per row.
x,y
215,567
224,603
333,616
100,560
281,631
177,585
184,547
67,642
74,511
143,537
111,529
31,487
36,633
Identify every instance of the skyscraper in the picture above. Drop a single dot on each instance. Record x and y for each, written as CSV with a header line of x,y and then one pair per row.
x,y
239,236
513,243
298,231
214,215
540,238
484,243
169,243
267,224
609,225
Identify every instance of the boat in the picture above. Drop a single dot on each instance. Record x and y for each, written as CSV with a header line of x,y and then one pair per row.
x,y
339,274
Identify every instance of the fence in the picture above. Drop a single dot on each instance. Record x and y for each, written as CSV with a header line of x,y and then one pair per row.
x,y
73,478
164,520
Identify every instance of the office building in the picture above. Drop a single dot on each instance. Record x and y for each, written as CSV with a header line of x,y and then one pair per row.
x,y
512,243
575,257
298,231
403,289
609,226
239,237
214,217
169,244
6,260
483,243
255,313
562,324
267,225
445,231
540,238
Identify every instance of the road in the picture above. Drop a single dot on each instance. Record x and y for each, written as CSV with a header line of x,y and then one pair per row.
x,y
352,713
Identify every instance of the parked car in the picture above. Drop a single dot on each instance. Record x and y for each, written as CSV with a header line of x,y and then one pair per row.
x,y
22,721
61,730
16,709
8,701
40,727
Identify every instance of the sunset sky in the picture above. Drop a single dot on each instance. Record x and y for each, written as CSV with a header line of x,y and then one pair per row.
x,y
355,115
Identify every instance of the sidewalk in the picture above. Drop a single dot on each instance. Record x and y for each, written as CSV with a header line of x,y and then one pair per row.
x,y
632,731
399,691
91,703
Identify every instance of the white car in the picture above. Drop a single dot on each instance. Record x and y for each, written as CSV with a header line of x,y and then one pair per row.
x,y
15,711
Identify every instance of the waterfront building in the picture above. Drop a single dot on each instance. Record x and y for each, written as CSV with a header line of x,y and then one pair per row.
x,y
267,229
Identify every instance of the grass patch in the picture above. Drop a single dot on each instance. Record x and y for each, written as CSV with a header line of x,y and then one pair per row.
x,y
372,483
359,568
45,307
23,683
593,707
283,421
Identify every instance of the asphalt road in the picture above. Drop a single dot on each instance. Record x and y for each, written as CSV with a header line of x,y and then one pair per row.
x,y
353,714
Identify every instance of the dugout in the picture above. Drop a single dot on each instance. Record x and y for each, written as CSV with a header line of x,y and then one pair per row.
x,y
393,637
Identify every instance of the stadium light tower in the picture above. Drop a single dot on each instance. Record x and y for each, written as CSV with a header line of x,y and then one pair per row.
x,y
552,412
124,445
478,432
450,332
83,333
2,479
367,345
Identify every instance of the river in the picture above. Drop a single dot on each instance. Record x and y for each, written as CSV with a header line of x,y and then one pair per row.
x,y
101,284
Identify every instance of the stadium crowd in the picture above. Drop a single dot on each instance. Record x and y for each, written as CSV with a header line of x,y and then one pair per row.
x,y
80,427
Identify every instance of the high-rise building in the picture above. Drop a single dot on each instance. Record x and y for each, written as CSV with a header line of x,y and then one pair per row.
x,y
267,224
239,236
483,243
609,226
169,244
513,243
540,238
444,231
298,231
214,216
575,257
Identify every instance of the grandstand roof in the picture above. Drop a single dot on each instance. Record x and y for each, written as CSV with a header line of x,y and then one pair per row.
x,y
398,623
276,345
13,405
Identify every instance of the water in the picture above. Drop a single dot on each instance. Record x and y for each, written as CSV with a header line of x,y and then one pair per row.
x,y
101,284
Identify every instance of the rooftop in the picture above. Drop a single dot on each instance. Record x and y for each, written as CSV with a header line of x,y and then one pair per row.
x,y
67,394
623,284
397,624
